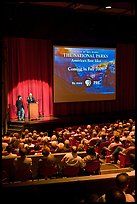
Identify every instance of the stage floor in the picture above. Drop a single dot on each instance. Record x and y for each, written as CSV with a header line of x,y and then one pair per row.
x,y
50,123
39,120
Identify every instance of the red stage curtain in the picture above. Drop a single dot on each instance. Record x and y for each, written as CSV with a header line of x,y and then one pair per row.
x,y
27,67
27,64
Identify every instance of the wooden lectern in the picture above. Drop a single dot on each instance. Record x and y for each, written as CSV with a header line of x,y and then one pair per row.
x,y
33,111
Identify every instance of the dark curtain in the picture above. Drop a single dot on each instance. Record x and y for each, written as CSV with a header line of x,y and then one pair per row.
x,y
28,69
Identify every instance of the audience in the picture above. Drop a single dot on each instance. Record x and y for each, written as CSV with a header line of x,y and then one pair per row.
x,y
61,141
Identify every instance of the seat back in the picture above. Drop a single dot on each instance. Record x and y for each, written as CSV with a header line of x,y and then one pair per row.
x,y
103,144
93,142
47,171
125,159
23,175
93,167
70,171
8,167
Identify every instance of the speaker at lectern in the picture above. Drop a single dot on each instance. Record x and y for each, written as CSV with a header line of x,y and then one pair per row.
x,y
33,111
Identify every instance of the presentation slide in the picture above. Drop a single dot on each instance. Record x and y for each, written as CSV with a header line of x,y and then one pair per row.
x,y
84,74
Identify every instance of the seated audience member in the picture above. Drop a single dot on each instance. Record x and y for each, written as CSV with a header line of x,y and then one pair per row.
x,y
23,162
72,158
9,153
103,138
53,146
112,145
67,147
121,183
91,154
48,159
122,149
115,195
60,147
80,148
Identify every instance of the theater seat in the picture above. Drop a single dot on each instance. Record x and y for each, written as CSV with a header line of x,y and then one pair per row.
x,y
109,152
23,175
71,171
92,167
102,144
47,172
125,158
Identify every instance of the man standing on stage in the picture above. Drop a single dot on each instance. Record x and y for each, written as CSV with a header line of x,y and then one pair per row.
x,y
20,108
31,99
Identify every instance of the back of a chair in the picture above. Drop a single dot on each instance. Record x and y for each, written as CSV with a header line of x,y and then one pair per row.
x,y
71,171
47,171
23,175
125,159
93,167
103,144
8,167
93,142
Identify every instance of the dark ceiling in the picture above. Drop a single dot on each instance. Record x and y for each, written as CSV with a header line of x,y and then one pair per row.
x,y
76,20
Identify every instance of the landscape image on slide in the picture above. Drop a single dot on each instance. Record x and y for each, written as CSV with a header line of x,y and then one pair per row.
x,y
84,74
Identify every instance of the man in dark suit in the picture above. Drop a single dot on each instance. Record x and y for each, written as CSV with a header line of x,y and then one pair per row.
x,y
20,108
31,99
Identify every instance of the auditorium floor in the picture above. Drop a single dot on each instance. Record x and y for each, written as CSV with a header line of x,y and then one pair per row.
x,y
107,168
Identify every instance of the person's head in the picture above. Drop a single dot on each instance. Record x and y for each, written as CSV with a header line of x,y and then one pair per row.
x,y
54,144
91,151
53,138
115,195
37,147
67,142
30,95
8,148
74,149
122,181
60,146
22,152
80,147
46,151
26,131
116,138
19,97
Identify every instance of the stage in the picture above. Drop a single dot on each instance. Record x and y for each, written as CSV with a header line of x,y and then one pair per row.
x,y
47,124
